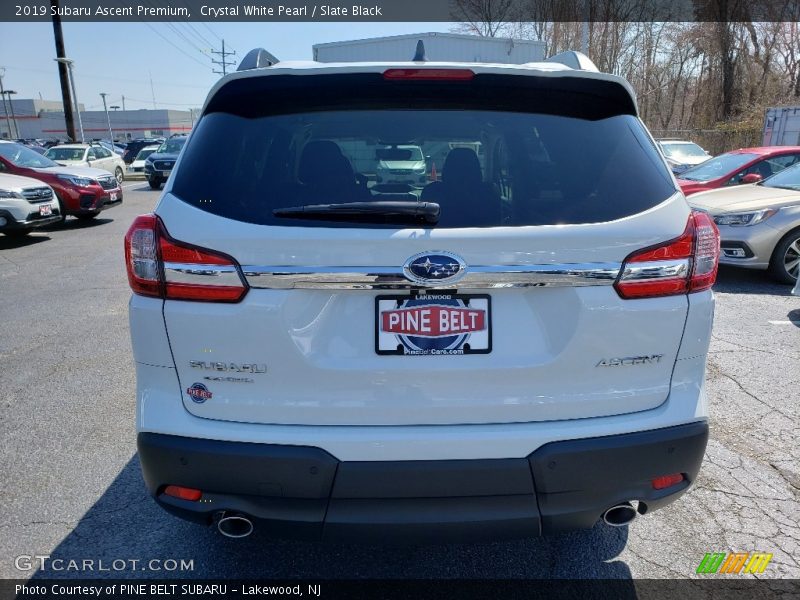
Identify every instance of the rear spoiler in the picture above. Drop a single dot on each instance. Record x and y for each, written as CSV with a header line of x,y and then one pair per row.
x,y
574,60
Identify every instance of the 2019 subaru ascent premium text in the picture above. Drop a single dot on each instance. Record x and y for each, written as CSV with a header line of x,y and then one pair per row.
x,y
516,348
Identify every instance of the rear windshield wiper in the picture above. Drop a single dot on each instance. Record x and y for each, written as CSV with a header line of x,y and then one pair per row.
x,y
367,212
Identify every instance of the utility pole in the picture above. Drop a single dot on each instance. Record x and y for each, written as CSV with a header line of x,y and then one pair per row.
x,y
108,118
223,63
68,62
152,90
13,117
123,103
63,75
5,107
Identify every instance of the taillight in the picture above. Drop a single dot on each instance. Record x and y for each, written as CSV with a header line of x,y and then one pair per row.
x,y
685,264
428,74
162,267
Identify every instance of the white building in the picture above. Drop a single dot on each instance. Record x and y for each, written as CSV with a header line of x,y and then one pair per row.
x,y
438,47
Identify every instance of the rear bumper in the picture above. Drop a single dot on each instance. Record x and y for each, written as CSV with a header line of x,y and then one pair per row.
x,y
304,492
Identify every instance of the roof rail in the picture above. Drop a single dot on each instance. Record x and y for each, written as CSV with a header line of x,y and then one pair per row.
x,y
257,58
574,60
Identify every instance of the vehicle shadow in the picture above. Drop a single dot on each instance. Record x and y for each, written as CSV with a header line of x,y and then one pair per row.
x,y
125,524
731,280
70,224
8,242
794,316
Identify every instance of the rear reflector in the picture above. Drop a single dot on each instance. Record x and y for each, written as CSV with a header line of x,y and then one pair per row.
x,y
685,264
183,493
162,267
428,74
665,481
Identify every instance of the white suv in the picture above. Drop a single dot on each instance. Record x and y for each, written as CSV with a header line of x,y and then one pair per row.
x,y
516,349
25,204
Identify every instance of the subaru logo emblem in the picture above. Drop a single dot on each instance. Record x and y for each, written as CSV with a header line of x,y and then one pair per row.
x,y
434,267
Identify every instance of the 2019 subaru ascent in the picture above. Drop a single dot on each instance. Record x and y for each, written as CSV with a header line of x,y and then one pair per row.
x,y
513,349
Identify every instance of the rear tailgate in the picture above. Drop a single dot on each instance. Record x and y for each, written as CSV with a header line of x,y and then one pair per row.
x,y
309,356
545,184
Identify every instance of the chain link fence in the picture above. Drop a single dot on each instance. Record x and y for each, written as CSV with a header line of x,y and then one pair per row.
x,y
715,141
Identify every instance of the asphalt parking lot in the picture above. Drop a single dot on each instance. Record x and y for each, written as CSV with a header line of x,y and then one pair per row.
x,y
71,486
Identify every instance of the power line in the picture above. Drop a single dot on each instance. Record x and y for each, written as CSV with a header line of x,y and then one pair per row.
x,y
179,49
223,63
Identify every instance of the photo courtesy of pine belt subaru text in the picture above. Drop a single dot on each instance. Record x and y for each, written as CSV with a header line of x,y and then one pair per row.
x,y
420,301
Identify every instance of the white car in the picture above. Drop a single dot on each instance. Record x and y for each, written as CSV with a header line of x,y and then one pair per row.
x,y
88,155
682,154
401,164
518,349
25,204
136,168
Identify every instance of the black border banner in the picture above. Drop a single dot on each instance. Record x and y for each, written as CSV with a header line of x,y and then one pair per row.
x,y
468,11
711,587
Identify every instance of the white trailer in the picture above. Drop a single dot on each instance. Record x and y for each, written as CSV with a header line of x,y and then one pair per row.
x,y
782,126
438,47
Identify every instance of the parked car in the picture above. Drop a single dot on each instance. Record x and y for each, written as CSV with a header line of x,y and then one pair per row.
x,y
158,166
132,148
401,164
88,155
331,360
115,147
81,191
759,223
36,148
682,154
25,204
136,168
746,165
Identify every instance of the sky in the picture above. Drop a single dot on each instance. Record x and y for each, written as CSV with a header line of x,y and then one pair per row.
x,y
120,58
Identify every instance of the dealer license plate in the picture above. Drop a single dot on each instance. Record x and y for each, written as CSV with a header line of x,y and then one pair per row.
x,y
433,324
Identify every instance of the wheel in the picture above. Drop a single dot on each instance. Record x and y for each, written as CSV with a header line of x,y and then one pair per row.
x,y
17,233
87,217
785,263
119,175
155,183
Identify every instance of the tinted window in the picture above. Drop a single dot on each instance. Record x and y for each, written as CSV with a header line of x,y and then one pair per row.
x,y
525,157
765,168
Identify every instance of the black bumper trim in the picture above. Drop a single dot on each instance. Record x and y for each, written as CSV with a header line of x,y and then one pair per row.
x,y
32,222
305,492
574,479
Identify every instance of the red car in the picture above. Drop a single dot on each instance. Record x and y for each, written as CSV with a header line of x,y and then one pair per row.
x,y
746,165
82,191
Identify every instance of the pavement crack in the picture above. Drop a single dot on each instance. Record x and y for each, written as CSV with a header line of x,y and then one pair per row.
x,y
792,481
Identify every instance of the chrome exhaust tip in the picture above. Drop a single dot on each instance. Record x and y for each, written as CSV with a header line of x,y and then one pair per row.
x,y
620,515
234,525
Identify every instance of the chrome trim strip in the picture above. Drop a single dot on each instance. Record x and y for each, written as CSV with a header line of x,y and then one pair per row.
x,y
477,277
657,269
198,274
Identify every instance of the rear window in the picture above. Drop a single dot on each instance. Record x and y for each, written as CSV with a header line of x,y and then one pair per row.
x,y
493,160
